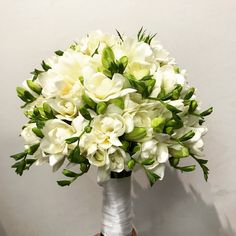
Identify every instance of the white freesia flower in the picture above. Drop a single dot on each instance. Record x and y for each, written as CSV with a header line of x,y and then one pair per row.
x,y
101,88
59,80
117,157
66,108
96,40
55,133
141,59
108,129
28,135
99,158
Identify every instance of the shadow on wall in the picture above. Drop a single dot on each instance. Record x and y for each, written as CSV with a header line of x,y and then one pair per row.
x,y
2,230
167,211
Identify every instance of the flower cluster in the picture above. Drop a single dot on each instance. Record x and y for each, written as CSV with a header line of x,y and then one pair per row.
x,y
114,102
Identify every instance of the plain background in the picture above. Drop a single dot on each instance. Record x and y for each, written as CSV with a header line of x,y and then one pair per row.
x,y
201,36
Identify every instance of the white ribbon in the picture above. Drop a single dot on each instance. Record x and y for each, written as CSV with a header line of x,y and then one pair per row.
x,y
117,210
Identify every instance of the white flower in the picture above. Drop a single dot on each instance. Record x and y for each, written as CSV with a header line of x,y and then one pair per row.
x,y
108,129
117,157
96,40
28,135
141,59
158,169
55,133
99,158
59,80
101,88
66,108
167,79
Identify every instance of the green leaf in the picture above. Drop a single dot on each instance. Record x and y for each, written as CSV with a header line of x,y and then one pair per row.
x,y
187,136
207,112
20,167
36,73
152,177
19,156
75,157
203,166
38,132
85,113
72,140
32,149
34,86
176,92
63,183
59,53
119,35
45,66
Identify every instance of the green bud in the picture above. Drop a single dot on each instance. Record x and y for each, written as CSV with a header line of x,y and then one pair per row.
x,y
59,53
189,94
207,112
34,86
63,183
179,153
193,106
124,61
125,145
107,57
172,108
131,164
45,66
81,79
72,140
176,69
101,107
38,132
19,156
89,101
187,136
25,95
48,111
176,92
169,130
118,102
32,149
158,124
137,148
84,167
69,173
187,168
88,129
137,134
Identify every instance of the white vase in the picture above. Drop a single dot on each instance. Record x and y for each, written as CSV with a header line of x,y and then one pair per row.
x,y
117,207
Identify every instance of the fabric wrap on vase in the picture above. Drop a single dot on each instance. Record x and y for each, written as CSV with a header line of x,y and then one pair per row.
x,y
117,206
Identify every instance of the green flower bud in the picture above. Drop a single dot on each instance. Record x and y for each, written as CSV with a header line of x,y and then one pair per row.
x,y
89,101
101,107
193,106
189,94
131,164
158,124
137,134
187,136
125,145
118,102
88,129
207,112
179,153
169,130
34,86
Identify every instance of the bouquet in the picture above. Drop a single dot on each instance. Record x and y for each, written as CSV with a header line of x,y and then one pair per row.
x,y
114,102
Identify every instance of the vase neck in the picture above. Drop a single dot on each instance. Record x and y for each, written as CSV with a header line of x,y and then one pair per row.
x,y
117,210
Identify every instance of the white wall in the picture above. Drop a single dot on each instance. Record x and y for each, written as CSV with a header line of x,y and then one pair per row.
x,y
201,35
